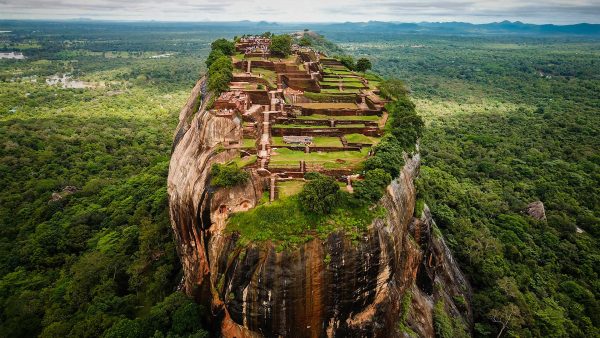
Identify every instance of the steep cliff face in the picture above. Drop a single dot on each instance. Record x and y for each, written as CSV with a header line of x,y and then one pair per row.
x,y
333,287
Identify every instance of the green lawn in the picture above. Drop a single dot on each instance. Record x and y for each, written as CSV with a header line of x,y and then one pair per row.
x,y
324,141
277,141
331,91
308,126
337,72
331,97
305,126
344,79
267,74
248,143
238,56
328,160
328,105
287,225
372,77
291,57
242,162
289,188
337,91
360,138
374,84
353,85
339,118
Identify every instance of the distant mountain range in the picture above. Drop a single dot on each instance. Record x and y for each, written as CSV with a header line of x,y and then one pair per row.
x,y
504,27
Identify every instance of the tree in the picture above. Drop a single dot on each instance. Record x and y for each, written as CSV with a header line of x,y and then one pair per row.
x,y
222,63
363,64
393,88
347,61
187,319
406,125
507,316
219,82
319,195
281,45
227,175
372,187
125,328
388,156
225,46
220,74
213,56
304,42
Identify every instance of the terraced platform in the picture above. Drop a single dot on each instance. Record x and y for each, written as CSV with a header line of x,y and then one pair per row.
x,y
305,112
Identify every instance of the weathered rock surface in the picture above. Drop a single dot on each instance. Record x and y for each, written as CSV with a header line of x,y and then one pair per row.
x,y
324,288
536,210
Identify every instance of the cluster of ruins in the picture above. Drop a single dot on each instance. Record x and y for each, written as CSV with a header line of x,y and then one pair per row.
x,y
306,112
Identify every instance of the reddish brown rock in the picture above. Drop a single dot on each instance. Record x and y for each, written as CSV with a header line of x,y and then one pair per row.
x,y
254,291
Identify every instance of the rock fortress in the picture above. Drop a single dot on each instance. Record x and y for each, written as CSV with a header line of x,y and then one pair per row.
x,y
263,268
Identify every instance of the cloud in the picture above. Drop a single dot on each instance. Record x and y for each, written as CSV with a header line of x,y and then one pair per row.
x,y
550,11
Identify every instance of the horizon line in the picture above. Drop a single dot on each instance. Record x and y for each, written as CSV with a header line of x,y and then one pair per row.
x,y
87,19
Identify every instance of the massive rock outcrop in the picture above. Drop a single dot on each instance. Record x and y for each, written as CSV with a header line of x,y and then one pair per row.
x,y
383,285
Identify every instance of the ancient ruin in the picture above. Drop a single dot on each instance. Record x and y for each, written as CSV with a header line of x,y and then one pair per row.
x,y
306,103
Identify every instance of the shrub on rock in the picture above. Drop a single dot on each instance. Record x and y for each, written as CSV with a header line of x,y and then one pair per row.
x,y
320,195
227,175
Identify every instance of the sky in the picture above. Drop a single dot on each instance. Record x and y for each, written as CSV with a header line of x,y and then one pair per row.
x,y
475,11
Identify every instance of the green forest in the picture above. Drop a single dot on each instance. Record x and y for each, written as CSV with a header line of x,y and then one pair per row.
x,y
510,121
86,248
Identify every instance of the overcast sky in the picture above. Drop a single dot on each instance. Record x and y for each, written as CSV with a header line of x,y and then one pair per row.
x,y
477,11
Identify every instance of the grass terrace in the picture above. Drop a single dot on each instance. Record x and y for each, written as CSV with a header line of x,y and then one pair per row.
x,y
373,118
305,126
374,84
289,188
344,79
337,91
310,126
333,97
328,70
360,138
322,141
284,223
244,161
267,74
325,141
238,57
328,105
290,58
284,157
372,77
353,85
248,143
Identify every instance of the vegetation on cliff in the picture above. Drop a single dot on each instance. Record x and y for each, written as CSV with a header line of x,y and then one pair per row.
x,y
227,175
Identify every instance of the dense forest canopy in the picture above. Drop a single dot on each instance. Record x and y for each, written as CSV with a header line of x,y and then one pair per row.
x,y
85,245
510,120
